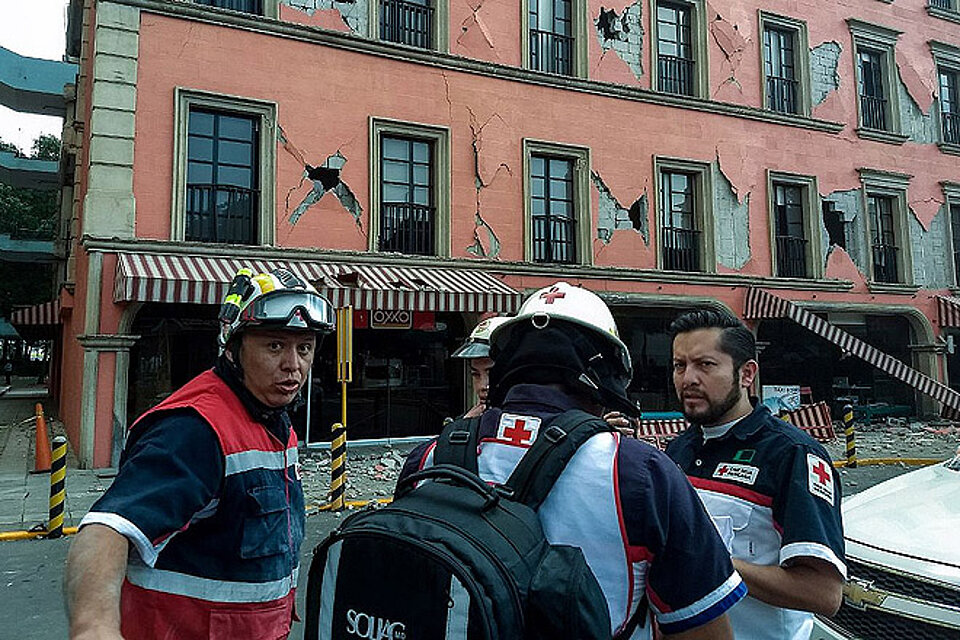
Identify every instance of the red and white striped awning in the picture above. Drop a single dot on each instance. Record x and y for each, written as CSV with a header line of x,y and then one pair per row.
x,y
948,308
204,280
760,304
39,315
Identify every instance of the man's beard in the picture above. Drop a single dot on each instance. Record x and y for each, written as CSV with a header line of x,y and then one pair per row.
x,y
711,414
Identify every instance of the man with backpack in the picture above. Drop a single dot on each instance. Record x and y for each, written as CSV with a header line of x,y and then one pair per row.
x,y
541,521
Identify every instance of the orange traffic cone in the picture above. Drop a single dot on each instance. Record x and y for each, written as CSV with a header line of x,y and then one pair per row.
x,y
42,452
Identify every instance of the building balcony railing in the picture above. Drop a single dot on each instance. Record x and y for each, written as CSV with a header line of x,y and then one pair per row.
x,y
951,127
551,52
943,4
873,112
407,228
681,249
885,263
246,6
406,23
782,94
791,257
554,239
675,75
217,213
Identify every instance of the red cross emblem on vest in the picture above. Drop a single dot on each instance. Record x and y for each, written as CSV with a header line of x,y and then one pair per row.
x,y
821,470
518,431
552,295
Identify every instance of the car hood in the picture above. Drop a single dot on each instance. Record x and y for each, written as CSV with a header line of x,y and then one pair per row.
x,y
911,522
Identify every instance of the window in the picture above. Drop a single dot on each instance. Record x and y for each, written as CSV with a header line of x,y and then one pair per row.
x,y
877,78
225,158
410,201
944,9
412,22
685,241
557,203
955,233
947,59
676,49
266,8
784,64
795,225
554,41
885,194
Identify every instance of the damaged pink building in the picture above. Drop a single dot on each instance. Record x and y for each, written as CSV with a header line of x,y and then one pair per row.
x,y
427,161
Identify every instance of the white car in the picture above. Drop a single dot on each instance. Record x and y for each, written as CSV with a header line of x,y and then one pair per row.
x,y
903,560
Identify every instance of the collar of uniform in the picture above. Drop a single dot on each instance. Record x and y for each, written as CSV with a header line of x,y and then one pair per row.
x,y
538,398
751,423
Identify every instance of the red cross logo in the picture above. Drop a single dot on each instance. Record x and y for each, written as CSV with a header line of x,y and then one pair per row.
x,y
821,470
722,470
552,294
517,433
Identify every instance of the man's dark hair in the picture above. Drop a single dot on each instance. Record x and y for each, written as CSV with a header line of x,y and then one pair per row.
x,y
735,339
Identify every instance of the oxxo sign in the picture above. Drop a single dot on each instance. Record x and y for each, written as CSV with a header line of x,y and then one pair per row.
x,y
395,319
370,627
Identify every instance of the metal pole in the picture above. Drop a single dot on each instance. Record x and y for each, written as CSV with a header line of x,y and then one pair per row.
x,y
338,466
850,435
58,476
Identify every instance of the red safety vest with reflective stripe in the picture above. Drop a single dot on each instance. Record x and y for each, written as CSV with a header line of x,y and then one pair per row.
x,y
165,604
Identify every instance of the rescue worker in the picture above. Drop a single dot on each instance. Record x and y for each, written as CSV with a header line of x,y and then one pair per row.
x,y
642,529
199,534
769,486
476,349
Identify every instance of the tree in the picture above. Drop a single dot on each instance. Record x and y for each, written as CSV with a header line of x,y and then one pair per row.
x,y
46,147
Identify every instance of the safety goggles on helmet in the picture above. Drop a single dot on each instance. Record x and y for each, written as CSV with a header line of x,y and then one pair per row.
x,y
290,308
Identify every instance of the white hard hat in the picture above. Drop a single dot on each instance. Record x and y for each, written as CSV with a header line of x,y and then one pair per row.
x,y
478,344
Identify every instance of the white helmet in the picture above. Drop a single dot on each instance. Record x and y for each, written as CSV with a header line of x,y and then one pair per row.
x,y
478,344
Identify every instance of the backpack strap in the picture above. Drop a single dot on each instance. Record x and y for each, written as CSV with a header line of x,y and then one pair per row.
x,y
457,444
542,464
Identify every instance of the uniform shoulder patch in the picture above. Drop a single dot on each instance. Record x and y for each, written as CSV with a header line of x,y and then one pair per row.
x,y
742,473
820,478
519,431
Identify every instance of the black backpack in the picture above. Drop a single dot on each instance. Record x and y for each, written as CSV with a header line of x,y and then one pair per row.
x,y
458,558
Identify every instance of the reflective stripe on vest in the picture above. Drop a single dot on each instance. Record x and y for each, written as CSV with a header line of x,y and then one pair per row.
x,y
206,589
250,460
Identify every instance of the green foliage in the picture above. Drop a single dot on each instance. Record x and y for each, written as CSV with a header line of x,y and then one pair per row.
x,y
46,147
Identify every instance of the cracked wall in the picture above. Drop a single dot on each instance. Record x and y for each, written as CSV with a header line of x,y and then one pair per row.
x,y
930,251
623,34
824,76
731,222
486,243
726,36
353,12
923,128
612,216
325,179
850,204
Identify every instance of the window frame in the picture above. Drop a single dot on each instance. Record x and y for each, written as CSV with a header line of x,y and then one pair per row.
x,y
812,220
187,99
583,217
578,28
951,14
440,175
271,9
801,54
698,37
888,184
945,57
439,30
883,40
703,208
951,199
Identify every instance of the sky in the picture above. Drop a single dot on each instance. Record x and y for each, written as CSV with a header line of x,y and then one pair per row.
x,y
34,28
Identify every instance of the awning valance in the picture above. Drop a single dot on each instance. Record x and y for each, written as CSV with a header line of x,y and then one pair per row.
x,y
948,309
204,280
38,315
761,304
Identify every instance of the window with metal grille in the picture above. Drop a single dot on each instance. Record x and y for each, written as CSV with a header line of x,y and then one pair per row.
x,y
949,5
246,6
779,64
407,204
551,36
871,83
552,208
791,241
223,177
884,238
675,52
680,235
950,105
407,22
955,228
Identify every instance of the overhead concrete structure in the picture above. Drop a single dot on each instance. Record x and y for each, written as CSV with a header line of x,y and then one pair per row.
x,y
34,85
28,172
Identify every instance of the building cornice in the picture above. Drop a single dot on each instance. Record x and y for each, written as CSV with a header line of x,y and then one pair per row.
x,y
555,271
446,61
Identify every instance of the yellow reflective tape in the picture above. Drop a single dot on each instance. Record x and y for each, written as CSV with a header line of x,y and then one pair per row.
x,y
58,476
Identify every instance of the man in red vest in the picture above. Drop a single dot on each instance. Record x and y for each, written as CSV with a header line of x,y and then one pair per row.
x,y
199,535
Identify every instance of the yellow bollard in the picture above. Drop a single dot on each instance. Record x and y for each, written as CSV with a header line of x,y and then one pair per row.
x,y
58,477
338,466
850,435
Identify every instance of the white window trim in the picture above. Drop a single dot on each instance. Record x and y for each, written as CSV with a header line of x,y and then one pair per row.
x,y
698,26
580,156
812,219
184,100
703,197
440,138
892,185
801,50
884,40
440,31
578,27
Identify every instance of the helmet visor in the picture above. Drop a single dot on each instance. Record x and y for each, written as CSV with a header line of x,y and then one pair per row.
x,y
472,349
294,309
